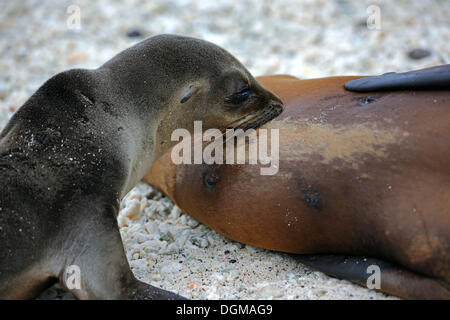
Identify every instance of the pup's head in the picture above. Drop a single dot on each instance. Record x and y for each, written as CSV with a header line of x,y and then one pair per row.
x,y
186,80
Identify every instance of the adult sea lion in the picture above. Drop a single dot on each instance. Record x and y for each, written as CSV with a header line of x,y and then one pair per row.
x,y
85,138
359,175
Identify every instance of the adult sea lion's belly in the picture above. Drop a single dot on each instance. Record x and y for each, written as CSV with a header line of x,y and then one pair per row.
x,y
358,174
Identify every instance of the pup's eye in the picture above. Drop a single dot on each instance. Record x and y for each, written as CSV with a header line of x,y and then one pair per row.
x,y
239,97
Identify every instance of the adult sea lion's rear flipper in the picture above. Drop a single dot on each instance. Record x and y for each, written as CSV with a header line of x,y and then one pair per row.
x,y
392,279
436,78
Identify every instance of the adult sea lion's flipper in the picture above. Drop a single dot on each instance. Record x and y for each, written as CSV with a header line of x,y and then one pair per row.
x,y
393,279
430,78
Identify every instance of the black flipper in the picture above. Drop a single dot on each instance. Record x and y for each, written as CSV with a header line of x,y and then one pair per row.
x,y
434,78
394,279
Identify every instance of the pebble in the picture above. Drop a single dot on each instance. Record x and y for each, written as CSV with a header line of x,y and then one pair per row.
x,y
199,241
418,54
134,33
277,37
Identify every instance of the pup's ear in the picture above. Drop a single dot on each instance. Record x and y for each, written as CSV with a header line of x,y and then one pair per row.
x,y
190,90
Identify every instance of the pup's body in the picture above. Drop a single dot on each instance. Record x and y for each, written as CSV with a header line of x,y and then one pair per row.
x,y
84,139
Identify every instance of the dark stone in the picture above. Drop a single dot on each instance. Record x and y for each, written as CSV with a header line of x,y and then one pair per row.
x,y
134,33
418,53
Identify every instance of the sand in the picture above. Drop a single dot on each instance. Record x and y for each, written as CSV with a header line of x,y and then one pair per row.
x,y
304,38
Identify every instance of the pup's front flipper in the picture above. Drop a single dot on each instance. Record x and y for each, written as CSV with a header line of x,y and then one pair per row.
x,y
94,246
434,78
76,241
393,279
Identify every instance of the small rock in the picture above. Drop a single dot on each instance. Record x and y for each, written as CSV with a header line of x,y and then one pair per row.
x,y
175,213
132,208
150,194
135,256
170,267
144,204
134,33
155,277
199,242
418,54
321,293
166,236
192,222
171,248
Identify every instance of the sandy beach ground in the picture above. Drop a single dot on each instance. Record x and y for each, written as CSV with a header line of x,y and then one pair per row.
x,y
303,38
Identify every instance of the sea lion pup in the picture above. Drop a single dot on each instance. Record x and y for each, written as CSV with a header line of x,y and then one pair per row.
x,y
359,175
85,138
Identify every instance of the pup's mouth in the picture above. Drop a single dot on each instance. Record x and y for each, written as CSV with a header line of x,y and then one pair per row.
x,y
257,118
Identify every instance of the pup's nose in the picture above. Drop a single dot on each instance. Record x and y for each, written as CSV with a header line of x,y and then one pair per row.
x,y
277,105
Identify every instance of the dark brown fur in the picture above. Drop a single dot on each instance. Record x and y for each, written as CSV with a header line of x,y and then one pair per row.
x,y
84,139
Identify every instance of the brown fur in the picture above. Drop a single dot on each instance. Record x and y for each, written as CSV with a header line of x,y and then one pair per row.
x,y
355,178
